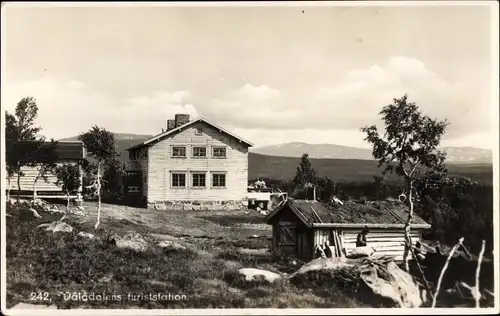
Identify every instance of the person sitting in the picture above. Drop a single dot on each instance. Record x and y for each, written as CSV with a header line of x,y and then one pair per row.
x,y
361,239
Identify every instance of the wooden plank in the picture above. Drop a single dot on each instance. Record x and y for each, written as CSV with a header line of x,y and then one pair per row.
x,y
287,232
316,215
377,240
339,242
371,226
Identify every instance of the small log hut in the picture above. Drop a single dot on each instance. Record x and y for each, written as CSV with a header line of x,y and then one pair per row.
x,y
300,226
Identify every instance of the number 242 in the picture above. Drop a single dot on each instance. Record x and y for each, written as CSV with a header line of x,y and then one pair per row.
x,y
42,296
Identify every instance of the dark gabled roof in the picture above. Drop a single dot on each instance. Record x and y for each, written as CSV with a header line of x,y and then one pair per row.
x,y
174,130
62,150
70,150
351,214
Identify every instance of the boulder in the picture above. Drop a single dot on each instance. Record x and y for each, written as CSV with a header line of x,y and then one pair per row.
x,y
380,275
78,213
393,283
252,274
160,206
131,241
253,252
85,235
170,244
56,227
360,252
324,264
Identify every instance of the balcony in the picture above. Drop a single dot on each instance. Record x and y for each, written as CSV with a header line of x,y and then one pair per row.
x,y
133,165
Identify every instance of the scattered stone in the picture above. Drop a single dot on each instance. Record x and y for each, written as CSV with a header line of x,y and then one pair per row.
x,y
170,244
131,241
323,264
105,279
360,252
160,207
254,236
57,227
81,208
254,252
78,213
252,274
85,235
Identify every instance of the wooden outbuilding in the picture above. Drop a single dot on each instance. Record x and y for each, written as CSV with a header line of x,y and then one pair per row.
x,y
65,152
300,226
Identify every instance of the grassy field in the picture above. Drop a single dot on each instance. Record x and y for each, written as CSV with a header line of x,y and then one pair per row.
x,y
346,170
215,245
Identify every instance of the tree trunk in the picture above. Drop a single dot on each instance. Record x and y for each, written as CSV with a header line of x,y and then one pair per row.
x,y
19,186
67,207
407,227
98,195
67,201
8,189
34,189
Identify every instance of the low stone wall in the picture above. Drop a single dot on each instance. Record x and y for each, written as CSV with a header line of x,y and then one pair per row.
x,y
197,205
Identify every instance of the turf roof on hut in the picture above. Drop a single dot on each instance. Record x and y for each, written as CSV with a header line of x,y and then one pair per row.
x,y
371,213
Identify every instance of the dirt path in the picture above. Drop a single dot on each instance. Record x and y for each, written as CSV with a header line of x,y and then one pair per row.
x,y
227,224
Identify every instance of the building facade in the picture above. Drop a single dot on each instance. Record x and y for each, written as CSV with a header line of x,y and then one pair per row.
x,y
66,152
192,165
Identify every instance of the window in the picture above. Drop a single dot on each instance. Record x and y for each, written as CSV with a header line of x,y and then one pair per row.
x,y
219,152
178,180
218,180
178,151
133,189
199,131
199,180
199,152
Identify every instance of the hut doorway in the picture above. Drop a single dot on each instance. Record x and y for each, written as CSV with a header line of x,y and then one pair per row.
x,y
287,241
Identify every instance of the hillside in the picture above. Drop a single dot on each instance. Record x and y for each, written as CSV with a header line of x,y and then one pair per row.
x,y
296,149
123,141
341,169
284,168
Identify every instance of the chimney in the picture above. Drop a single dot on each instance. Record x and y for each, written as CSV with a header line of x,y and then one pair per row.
x,y
170,124
181,119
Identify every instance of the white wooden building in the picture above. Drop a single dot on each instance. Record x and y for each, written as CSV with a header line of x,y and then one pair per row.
x,y
67,152
300,226
192,164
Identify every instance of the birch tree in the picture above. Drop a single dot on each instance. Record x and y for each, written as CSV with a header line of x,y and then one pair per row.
x,y
68,177
22,138
407,147
100,145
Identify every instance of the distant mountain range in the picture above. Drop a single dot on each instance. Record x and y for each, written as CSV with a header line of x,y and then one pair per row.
x,y
319,151
123,141
329,151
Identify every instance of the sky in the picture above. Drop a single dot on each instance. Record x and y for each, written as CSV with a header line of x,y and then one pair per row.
x,y
269,74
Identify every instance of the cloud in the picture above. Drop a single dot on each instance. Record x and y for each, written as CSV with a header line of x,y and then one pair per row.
x,y
357,101
68,107
263,114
